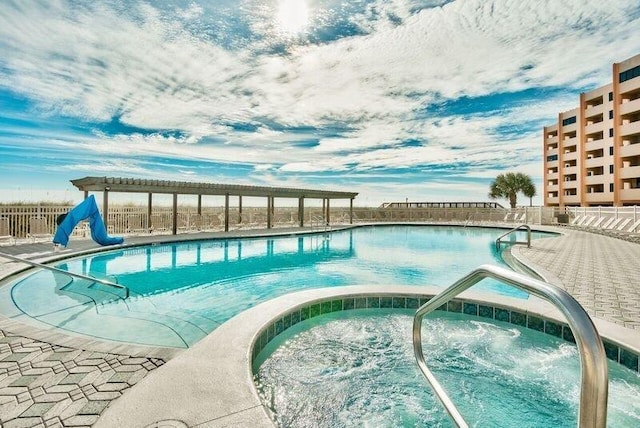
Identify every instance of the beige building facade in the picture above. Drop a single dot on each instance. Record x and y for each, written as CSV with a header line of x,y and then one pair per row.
x,y
592,154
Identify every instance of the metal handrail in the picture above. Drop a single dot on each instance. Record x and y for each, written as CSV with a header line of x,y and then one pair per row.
x,y
515,229
594,386
65,272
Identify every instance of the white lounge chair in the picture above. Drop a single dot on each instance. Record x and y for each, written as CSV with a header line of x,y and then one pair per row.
x,y
597,223
5,235
577,220
623,224
39,228
587,221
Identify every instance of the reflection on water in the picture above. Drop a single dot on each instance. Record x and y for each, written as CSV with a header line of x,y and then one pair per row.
x,y
180,292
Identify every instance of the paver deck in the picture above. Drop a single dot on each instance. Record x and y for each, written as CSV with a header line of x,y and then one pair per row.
x,y
48,379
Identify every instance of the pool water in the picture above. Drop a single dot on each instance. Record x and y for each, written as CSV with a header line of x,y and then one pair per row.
x,y
181,292
357,368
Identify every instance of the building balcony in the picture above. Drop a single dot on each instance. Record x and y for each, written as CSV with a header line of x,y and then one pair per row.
x,y
552,164
601,197
596,144
551,152
551,140
630,128
552,188
595,110
596,179
570,156
630,107
571,184
594,162
630,195
571,199
630,150
570,170
629,172
570,128
551,176
595,127
552,201
568,142
629,85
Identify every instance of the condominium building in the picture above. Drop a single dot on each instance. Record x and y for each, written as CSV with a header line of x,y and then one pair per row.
x,y
592,154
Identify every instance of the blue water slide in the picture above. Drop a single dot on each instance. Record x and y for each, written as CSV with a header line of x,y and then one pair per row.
x,y
87,209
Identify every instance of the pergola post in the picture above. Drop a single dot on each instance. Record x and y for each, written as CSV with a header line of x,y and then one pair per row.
x,y
269,202
301,210
351,211
324,209
86,194
175,214
105,207
149,202
239,209
328,208
199,204
226,212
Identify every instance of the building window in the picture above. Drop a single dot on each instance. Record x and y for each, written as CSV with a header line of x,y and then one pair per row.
x,y
611,187
610,114
610,96
552,158
569,121
610,169
610,151
630,74
610,132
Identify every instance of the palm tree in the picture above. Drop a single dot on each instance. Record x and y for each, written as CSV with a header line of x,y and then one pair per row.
x,y
529,191
510,184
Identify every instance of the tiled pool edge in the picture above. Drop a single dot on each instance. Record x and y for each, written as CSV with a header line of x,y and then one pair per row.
x,y
614,351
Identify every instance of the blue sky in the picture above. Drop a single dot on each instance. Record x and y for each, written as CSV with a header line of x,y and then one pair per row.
x,y
427,99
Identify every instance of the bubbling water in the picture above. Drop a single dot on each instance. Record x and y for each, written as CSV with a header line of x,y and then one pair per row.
x,y
358,369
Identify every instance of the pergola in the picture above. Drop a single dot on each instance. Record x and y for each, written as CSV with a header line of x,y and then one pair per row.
x,y
108,185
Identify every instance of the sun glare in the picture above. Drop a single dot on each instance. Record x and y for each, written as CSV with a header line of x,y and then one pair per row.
x,y
292,16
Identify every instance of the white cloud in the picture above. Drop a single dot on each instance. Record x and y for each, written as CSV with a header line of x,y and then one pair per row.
x,y
96,61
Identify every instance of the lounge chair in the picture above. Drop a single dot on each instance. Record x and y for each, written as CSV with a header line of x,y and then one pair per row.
x,y
5,235
613,224
577,220
623,224
39,228
598,222
587,221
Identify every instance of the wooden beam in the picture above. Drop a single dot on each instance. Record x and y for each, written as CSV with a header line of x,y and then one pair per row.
x,y
105,207
268,212
301,211
351,211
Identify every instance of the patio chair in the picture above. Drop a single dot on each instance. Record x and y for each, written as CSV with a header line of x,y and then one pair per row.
x,y
39,228
5,235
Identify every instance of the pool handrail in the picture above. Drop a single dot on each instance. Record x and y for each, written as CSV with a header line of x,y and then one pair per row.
x,y
592,410
515,229
65,272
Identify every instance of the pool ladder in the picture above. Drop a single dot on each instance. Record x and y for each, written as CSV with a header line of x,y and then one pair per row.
x,y
592,411
515,229
66,272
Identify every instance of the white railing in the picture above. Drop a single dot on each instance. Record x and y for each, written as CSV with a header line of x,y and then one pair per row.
x,y
135,219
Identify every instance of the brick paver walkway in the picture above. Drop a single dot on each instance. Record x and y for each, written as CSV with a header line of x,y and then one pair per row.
x,y
44,385
601,272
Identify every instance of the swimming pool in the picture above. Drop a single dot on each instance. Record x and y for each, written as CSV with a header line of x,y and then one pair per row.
x,y
357,368
181,292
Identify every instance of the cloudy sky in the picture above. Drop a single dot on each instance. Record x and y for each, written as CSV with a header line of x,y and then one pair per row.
x,y
424,99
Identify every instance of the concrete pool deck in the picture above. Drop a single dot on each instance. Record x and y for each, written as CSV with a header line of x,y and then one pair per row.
x,y
52,379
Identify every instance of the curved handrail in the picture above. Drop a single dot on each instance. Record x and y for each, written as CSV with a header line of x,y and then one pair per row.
x,y
592,412
528,242
66,272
